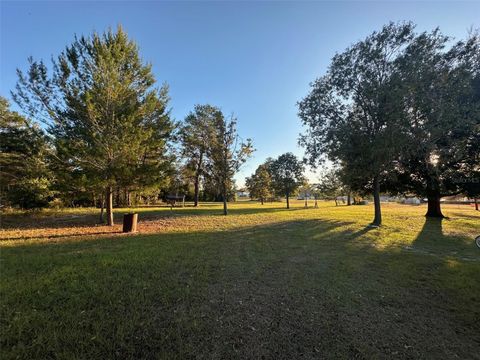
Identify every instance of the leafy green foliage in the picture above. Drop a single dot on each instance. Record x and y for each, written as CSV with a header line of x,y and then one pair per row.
x,y
287,175
196,134
330,186
227,153
259,184
441,93
107,119
397,110
25,177
351,114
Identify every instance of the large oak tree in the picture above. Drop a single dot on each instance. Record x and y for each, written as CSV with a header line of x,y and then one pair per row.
x,y
351,116
441,97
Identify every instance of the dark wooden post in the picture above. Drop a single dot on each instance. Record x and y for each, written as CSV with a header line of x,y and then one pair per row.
x,y
130,222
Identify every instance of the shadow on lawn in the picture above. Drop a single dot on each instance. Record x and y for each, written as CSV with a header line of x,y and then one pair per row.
x,y
431,232
361,232
61,236
314,228
463,215
432,240
217,210
37,221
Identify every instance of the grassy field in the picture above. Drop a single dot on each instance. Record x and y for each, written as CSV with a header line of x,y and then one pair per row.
x,y
263,282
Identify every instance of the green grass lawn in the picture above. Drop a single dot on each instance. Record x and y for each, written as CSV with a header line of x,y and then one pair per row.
x,y
263,282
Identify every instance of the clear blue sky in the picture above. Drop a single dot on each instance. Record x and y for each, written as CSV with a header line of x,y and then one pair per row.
x,y
254,59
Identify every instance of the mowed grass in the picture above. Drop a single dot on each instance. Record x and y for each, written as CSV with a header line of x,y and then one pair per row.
x,y
263,282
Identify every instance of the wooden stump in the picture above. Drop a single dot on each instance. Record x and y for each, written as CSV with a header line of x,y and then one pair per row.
x,y
130,222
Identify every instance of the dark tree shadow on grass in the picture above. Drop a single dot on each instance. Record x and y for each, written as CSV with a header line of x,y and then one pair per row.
x,y
361,232
37,221
209,210
463,215
431,239
64,236
430,234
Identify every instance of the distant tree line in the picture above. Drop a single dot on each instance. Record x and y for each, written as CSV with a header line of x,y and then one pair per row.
x,y
96,130
399,112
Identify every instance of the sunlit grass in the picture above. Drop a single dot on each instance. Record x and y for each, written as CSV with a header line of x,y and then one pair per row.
x,y
401,227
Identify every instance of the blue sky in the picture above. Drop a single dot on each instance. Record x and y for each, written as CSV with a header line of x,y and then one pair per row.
x,y
253,59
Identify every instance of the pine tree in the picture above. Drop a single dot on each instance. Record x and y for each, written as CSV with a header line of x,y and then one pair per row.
x,y
196,135
107,119
25,176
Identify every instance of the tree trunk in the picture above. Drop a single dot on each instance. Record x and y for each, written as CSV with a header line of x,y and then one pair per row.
x,y
434,209
225,210
349,200
126,194
316,203
288,200
196,190
197,181
109,199
261,200
102,205
306,203
476,203
377,220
